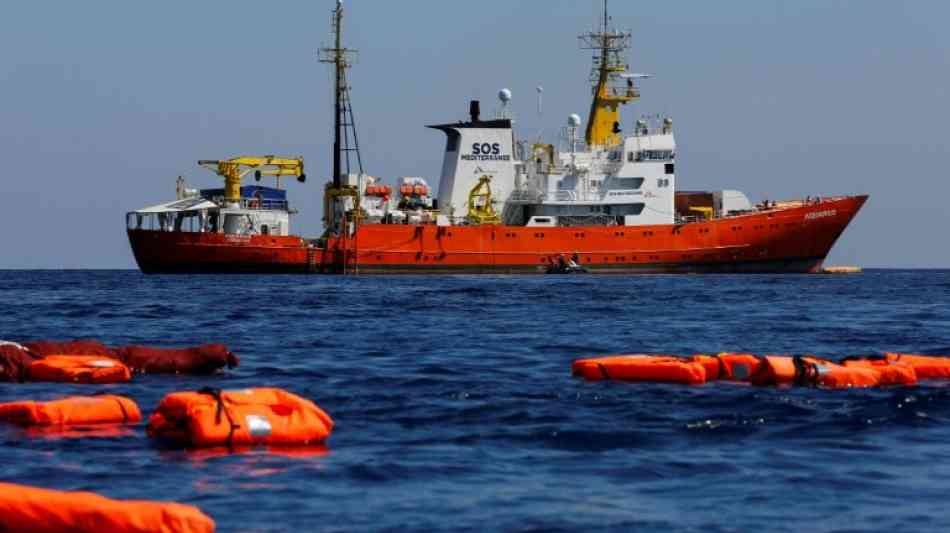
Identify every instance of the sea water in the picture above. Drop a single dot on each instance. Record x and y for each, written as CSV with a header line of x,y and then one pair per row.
x,y
456,409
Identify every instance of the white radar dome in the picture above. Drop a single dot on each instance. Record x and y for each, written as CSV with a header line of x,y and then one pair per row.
x,y
504,95
574,120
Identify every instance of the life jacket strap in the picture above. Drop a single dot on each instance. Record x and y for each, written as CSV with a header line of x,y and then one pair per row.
x,y
218,395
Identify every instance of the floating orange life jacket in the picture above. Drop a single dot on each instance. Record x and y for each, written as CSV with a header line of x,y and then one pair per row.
x,y
652,368
777,370
15,362
34,510
730,366
926,366
198,360
76,347
79,369
240,417
76,410
830,375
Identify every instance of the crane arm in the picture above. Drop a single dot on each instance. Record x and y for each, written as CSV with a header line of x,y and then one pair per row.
x,y
234,170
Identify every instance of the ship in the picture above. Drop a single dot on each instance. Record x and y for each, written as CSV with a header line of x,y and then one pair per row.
x,y
599,200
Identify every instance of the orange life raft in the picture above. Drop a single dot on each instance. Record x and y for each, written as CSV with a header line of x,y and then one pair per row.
x,y
77,410
79,369
49,511
652,368
241,417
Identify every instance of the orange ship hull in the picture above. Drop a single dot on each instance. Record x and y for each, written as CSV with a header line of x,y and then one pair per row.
x,y
794,239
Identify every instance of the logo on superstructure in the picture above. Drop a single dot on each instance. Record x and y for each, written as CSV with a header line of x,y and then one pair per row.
x,y
486,152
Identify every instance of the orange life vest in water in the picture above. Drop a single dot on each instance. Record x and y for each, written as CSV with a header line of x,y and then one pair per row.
x,y
50,511
79,369
76,410
730,366
652,368
926,366
239,417
830,375
812,371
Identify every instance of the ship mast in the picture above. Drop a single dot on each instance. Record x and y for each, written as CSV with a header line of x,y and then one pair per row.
x,y
609,47
345,140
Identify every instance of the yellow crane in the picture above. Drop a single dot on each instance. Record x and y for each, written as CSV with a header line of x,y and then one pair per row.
x,y
480,207
234,170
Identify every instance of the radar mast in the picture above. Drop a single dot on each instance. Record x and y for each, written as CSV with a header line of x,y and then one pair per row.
x,y
345,140
611,88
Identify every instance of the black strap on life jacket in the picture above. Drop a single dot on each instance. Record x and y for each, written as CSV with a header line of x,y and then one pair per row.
x,y
806,374
217,394
723,371
125,414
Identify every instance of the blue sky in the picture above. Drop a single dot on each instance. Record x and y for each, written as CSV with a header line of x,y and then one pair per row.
x,y
104,103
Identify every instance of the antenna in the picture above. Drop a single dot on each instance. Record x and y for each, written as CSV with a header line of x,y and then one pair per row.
x,y
540,95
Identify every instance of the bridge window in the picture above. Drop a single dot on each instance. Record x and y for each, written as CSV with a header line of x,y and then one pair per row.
x,y
651,155
628,183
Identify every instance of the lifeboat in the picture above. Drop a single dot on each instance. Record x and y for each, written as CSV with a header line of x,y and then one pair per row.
x,y
652,368
209,418
35,510
89,369
383,191
76,410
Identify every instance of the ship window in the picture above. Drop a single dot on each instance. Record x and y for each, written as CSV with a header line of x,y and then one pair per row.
x,y
628,183
265,230
631,157
669,168
652,155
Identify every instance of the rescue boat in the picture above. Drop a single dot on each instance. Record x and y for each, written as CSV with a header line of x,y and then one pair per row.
x,y
604,194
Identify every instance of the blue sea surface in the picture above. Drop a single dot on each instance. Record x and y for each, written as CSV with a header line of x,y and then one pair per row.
x,y
456,409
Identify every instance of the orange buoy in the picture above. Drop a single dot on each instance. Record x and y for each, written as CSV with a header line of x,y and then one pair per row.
x,y
79,369
657,369
241,417
38,510
76,410
730,366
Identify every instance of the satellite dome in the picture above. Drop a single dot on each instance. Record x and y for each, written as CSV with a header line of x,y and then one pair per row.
x,y
504,95
574,120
